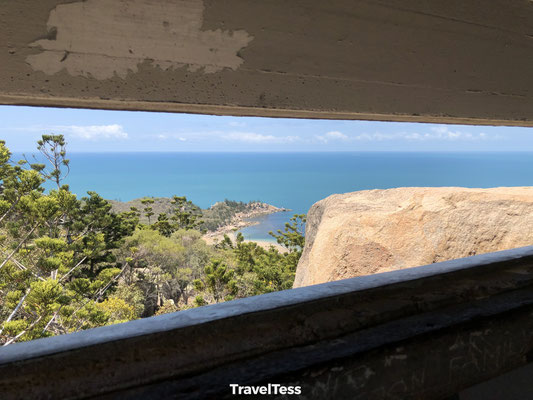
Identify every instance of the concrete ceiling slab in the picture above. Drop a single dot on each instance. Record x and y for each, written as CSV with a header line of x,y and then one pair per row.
x,y
460,61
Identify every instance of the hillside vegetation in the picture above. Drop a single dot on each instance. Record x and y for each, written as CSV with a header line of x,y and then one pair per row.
x,y
68,264
214,217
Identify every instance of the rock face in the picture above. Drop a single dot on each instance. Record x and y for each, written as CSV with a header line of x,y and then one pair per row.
x,y
372,231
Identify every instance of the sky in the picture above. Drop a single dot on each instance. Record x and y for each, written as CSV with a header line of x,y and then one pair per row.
x,y
130,131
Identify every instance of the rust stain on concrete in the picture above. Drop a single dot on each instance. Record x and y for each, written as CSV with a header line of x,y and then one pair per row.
x,y
103,38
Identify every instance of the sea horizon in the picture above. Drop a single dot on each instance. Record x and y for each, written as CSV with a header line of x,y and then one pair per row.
x,y
293,180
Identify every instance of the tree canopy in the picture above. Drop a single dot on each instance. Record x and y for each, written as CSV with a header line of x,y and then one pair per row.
x,y
68,264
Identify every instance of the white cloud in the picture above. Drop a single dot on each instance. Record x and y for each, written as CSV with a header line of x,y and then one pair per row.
x,y
363,136
414,136
333,135
443,132
336,135
321,139
166,136
93,132
377,136
440,132
251,137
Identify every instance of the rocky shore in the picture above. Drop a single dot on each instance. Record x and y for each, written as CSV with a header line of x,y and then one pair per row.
x,y
237,222
242,220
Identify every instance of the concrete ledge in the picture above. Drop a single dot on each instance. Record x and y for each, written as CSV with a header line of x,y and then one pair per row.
x,y
426,356
242,111
175,351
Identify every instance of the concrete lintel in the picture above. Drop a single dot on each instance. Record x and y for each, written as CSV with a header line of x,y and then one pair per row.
x,y
238,111
400,60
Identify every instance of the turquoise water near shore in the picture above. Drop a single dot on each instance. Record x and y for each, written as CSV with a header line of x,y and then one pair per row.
x,y
290,180
267,223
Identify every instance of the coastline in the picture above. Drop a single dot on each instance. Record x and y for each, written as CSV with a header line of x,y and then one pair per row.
x,y
239,220
265,244
242,220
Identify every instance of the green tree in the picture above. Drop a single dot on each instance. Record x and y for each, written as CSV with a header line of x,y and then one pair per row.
x,y
185,214
148,209
53,149
68,264
57,263
218,281
292,237
164,226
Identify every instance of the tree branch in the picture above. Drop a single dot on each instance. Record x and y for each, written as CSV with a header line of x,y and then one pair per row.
x,y
18,247
23,332
15,310
73,268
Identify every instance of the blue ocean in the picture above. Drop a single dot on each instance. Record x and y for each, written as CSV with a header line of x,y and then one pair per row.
x,y
290,180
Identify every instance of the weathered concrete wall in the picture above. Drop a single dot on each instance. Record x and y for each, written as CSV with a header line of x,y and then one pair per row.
x,y
454,61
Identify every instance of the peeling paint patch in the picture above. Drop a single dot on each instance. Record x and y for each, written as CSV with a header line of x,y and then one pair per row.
x,y
103,38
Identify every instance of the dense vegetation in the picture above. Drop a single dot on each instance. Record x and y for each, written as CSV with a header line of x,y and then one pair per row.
x,y
68,264
222,212
217,215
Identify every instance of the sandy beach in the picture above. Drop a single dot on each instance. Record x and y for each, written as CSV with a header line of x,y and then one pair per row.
x,y
265,244
242,220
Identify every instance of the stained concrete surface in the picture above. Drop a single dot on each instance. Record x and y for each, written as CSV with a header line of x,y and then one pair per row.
x,y
458,61
514,385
